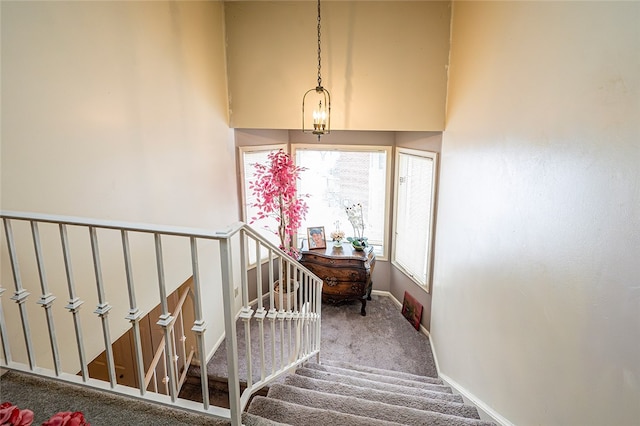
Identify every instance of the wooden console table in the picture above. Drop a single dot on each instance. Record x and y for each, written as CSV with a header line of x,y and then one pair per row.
x,y
346,272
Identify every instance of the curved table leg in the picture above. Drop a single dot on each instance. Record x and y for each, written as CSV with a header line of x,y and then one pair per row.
x,y
364,305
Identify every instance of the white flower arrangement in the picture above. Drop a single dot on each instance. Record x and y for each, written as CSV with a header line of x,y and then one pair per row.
x,y
355,215
337,235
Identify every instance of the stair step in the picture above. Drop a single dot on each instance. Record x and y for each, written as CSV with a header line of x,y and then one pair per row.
x,y
249,419
381,378
365,408
298,415
385,376
438,393
417,402
374,370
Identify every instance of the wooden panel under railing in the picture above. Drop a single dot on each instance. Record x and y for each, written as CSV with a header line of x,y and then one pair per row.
x,y
152,340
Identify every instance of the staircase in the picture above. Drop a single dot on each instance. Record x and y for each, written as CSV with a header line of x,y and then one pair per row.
x,y
337,393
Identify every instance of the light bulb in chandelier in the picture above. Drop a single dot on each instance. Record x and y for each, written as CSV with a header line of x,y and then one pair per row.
x,y
319,119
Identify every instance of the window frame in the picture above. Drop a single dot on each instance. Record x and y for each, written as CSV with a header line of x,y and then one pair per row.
x,y
432,217
242,150
383,252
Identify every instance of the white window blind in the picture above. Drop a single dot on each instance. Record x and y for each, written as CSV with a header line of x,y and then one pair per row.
x,y
415,196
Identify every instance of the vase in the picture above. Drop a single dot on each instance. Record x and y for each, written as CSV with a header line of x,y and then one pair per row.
x,y
337,243
358,245
287,297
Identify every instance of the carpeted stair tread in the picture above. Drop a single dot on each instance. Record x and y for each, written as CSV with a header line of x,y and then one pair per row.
x,y
362,407
446,395
389,377
249,419
298,415
417,402
374,370
380,378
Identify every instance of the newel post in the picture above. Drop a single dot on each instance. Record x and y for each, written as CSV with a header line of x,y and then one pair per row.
x,y
230,331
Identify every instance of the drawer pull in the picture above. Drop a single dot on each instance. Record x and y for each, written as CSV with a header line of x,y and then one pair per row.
x,y
331,281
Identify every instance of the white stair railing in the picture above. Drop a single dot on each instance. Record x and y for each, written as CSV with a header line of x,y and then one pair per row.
x,y
32,248
157,371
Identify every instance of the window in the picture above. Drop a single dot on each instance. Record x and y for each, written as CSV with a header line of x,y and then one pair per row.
x,y
414,213
339,176
266,227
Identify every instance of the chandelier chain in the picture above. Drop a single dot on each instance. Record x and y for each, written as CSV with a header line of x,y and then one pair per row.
x,y
319,49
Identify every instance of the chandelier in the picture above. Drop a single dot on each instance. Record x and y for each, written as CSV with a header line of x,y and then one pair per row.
x,y
316,102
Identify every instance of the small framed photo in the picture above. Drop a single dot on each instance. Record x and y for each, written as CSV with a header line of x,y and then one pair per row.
x,y
316,238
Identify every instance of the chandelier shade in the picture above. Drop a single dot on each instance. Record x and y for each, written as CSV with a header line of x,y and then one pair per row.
x,y
316,111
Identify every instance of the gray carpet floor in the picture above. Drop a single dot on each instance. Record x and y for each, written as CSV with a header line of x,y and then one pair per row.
x,y
46,397
381,339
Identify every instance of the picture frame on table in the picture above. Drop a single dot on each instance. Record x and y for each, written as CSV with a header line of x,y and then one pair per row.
x,y
316,237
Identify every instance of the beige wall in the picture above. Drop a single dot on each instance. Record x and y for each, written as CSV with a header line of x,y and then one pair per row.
x,y
117,111
129,95
536,299
383,62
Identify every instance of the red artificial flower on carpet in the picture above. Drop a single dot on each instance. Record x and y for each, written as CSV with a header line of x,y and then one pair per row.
x,y
67,418
10,415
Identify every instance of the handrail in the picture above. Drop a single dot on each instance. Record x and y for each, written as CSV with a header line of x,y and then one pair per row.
x,y
288,336
126,226
268,244
178,231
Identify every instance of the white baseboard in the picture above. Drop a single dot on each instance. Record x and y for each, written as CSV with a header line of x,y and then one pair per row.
x,y
383,293
486,412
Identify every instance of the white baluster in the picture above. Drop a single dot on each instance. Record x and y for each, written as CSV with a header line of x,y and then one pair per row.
x,y
199,325
74,303
46,299
20,295
103,307
135,314
165,321
230,332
